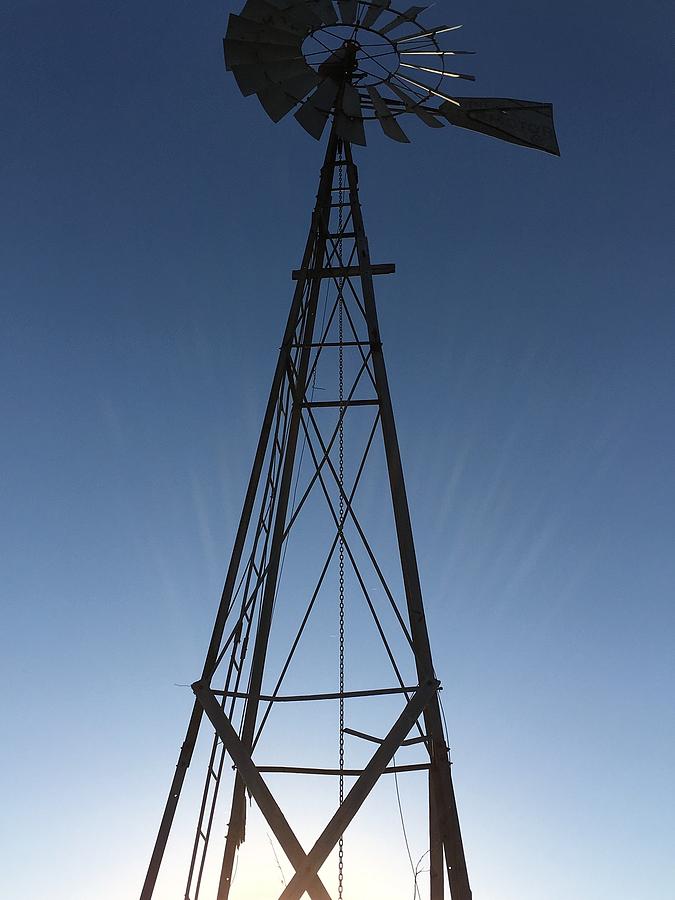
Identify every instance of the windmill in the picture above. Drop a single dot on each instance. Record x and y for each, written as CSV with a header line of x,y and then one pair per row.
x,y
327,425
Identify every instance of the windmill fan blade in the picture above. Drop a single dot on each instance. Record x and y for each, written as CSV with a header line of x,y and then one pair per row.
x,y
241,29
389,124
276,102
375,10
302,14
426,34
254,77
348,10
408,16
270,14
315,111
349,119
523,122
299,85
429,90
438,72
244,52
437,53
413,107
326,11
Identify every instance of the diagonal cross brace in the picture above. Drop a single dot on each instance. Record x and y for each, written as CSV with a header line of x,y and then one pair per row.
x,y
360,790
259,790
307,865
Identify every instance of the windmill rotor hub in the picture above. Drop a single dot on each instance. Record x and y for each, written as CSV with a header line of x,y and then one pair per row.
x,y
374,56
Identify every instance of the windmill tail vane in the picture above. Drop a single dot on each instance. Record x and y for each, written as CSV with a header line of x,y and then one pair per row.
x,y
320,646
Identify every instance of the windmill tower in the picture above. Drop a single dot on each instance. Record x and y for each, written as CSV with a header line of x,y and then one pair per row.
x,y
315,601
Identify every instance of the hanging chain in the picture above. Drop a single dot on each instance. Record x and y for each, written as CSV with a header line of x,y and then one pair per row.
x,y
341,472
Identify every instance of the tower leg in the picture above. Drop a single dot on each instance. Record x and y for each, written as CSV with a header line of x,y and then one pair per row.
x,y
436,875
454,852
313,260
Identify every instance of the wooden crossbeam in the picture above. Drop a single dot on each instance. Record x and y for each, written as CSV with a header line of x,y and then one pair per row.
x,y
344,271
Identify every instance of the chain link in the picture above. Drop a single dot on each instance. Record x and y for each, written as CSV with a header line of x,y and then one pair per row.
x,y
341,472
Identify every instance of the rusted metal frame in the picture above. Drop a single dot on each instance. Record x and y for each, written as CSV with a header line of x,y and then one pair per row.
x,y
449,820
248,771
350,511
305,874
300,770
319,229
363,587
287,663
187,748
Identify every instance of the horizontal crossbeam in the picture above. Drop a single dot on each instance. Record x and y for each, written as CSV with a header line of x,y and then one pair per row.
x,y
297,698
376,740
319,404
299,770
345,271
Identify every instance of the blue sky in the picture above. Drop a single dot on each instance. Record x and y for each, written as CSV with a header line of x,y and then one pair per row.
x,y
151,217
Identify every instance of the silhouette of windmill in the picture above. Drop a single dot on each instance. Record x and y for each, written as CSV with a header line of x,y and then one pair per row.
x,y
339,66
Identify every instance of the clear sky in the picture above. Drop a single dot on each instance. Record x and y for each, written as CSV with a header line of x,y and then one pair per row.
x,y
150,220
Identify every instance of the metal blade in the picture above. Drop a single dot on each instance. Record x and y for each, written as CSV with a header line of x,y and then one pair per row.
x,y
326,11
276,102
298,86
428,89
424,34
300,12
439,72
254,77
244,52
413,107
314,112
437,53
271,14
241,29
406,17
389,124
523,122
348,10
349,119
250,78
375,10
351,101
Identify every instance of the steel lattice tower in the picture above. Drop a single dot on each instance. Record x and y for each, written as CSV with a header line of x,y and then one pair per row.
x,y
328,416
